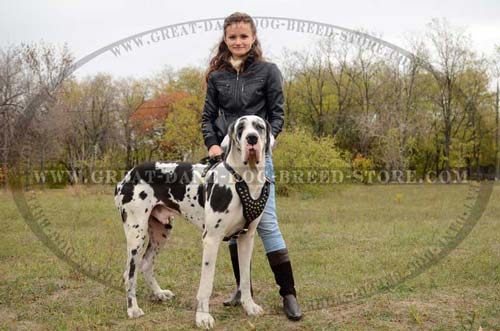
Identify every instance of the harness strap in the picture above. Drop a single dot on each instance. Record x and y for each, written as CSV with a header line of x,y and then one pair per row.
x,y
211,163
233,172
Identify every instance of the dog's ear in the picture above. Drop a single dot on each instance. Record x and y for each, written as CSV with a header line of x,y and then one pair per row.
x,y
269,137
225,144
228,139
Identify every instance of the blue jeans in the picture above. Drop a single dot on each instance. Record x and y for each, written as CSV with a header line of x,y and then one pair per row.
x,y
268,228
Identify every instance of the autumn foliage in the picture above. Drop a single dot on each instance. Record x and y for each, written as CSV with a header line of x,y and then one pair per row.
x,y
152,114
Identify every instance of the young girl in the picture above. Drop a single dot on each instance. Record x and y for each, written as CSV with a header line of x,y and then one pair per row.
x,y
240,82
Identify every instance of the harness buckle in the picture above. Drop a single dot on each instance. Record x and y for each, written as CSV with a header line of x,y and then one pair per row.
x,y
237,178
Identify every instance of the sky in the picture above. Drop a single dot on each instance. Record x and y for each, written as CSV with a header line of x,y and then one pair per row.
x,y
86,26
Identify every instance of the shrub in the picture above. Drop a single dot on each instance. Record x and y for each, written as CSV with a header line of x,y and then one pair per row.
x,y
363,166
301,161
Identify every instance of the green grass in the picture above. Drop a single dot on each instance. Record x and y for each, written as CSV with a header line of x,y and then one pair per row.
x,y
337,242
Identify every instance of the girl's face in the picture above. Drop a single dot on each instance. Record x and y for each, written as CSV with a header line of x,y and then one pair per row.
x,y
239,38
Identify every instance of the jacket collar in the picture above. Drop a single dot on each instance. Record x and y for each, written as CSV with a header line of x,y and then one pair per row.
x,y
249,59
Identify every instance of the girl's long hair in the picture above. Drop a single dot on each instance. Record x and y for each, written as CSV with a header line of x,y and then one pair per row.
x,y
221,59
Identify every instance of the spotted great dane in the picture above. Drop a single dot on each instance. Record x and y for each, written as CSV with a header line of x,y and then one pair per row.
x,y
152,194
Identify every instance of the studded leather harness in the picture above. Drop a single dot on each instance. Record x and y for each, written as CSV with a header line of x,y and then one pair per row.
x,y
252,208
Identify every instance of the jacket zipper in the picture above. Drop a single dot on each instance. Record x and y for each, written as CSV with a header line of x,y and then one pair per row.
x,y
237,87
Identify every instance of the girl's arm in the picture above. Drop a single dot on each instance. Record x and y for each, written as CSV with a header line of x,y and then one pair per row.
x,y
275,100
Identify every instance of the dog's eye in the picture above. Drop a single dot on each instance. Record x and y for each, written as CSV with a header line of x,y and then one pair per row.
x,y
239,131
260,127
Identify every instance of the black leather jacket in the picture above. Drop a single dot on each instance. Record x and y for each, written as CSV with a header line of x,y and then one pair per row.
x,y
256,90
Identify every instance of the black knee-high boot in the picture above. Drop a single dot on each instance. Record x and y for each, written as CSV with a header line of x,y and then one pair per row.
x,y
235,298
283,274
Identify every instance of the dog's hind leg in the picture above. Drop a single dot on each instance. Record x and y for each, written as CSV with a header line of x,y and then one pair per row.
x,y
135,232
158,234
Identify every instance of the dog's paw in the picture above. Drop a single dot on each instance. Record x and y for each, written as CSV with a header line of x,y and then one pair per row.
x,y
204,320
252,309
164,295
134,312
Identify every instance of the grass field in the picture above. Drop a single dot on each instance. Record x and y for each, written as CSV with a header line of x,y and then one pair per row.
x,y
337,242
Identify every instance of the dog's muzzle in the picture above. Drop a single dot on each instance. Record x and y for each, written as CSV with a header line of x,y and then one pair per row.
x,y
252,149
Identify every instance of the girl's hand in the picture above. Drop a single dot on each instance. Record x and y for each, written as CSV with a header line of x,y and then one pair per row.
x,y
214,151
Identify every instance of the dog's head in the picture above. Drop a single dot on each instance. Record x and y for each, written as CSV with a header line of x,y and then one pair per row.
x,y
251,136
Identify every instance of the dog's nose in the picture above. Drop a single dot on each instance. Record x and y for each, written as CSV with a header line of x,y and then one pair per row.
x,y
252,139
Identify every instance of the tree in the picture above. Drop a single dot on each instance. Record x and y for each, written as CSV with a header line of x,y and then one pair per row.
x,y
132,95
449,55
313,90
149,123
182,128
88,121
11,95
29,75
496,74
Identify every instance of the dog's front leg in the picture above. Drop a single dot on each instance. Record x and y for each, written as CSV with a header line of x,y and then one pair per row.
x,y
211,243
245,249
